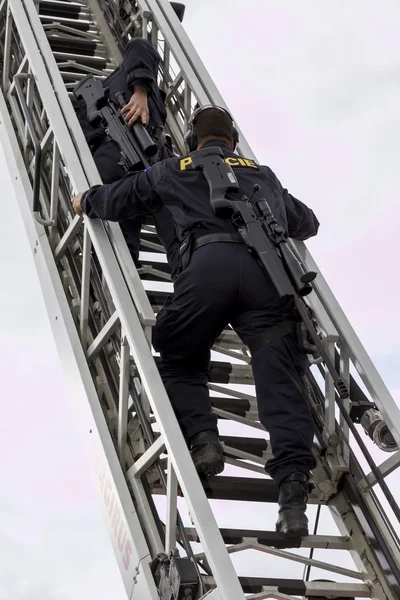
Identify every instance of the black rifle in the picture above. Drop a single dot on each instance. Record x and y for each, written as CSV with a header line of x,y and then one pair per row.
x,y
135,143
266,240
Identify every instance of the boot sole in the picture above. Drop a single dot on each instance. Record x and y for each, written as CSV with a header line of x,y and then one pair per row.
x,y
210,469
295,529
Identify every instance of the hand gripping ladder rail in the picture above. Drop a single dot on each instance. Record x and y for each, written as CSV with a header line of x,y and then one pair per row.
x,y
101,318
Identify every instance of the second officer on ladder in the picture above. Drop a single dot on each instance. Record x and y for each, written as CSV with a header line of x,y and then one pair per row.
x,y
220,283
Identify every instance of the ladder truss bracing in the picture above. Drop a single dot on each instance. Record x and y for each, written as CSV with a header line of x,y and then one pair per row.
x,y
102,310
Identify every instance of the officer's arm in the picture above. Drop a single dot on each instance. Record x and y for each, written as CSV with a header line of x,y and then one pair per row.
x,y
302,222
129,197
141,63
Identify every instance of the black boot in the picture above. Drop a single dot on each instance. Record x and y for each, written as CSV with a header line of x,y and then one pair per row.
x,y
207,453
292,500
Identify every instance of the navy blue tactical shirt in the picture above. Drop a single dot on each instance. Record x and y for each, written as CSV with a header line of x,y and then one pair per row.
x,y
185,192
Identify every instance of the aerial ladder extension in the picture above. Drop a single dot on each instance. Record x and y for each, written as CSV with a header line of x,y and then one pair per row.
x,y
102,310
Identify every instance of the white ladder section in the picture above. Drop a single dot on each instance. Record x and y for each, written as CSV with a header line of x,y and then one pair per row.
x,y
102,316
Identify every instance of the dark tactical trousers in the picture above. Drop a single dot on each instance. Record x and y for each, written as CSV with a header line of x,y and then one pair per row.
x,y
224,284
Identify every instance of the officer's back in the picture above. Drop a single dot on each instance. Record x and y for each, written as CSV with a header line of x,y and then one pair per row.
x,y
185,192
188,198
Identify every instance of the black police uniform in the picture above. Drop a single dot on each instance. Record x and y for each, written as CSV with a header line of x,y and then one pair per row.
x,y
221,284
138,68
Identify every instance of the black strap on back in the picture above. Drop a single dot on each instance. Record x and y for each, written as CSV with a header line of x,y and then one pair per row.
x,y
271,335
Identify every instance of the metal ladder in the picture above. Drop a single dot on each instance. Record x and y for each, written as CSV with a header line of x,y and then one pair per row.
x,y
101,318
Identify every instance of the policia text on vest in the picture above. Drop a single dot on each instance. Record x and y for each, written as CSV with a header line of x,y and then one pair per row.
x,y
233,161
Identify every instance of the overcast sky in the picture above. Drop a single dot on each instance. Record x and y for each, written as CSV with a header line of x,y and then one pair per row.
x,y
315,87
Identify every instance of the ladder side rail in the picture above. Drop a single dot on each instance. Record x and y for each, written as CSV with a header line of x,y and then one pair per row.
x,y
108,476
189,482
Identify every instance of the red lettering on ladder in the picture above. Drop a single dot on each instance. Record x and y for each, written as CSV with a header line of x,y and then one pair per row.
x,y
127,555
114,513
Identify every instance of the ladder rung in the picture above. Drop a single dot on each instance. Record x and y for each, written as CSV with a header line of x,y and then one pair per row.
x,y
298,587
75,23
98,62
256,446
278,540
146,236
69,76
158,266
75,46
240,489
237,406
225,372
60,10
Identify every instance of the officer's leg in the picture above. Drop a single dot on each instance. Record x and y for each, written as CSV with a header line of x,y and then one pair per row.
x,y
107,158
186,329
278,368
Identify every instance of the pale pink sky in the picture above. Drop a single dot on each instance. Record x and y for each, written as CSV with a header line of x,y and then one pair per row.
x,y
315,87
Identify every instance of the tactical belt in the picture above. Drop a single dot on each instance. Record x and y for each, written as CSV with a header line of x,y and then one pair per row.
x,y
192,243
211,238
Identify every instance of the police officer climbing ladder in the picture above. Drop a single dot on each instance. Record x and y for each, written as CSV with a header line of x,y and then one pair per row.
x,y
44,56
269,308
220,283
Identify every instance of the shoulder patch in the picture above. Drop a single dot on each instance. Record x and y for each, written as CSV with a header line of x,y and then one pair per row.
x,y
233,161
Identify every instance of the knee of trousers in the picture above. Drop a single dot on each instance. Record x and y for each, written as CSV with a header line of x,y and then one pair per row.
x,y
178,371
282,355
